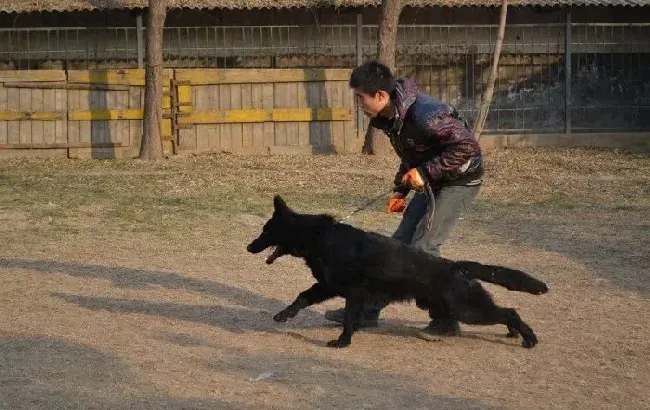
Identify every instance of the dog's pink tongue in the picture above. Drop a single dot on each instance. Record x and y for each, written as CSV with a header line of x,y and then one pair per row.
x,y
273,256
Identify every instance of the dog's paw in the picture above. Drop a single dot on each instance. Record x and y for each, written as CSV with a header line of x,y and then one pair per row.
x,y
337,344
283,316
528,342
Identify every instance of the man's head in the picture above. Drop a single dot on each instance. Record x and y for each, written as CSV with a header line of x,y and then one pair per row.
x,y
373,84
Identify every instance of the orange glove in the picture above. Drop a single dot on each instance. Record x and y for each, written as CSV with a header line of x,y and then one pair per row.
x,y
413,179
396,203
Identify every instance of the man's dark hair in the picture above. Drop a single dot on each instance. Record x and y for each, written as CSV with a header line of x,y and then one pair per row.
x,y
371,77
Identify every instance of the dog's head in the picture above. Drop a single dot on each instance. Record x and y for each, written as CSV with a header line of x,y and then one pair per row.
x,y
276,233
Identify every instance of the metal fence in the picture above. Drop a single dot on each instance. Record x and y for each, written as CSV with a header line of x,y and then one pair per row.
x,y
609,76
73,47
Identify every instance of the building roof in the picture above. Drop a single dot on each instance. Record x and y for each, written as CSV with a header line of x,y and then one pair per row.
x,y
24,6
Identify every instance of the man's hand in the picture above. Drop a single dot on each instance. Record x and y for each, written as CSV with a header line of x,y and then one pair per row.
x,y
413,179
396,203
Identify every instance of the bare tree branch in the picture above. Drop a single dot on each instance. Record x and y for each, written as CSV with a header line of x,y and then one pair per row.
x,y
486,98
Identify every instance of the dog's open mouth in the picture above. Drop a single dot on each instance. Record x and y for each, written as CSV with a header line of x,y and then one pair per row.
x,y
276,252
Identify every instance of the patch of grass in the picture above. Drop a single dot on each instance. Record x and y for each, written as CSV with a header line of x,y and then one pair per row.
x,y
186,190
567,177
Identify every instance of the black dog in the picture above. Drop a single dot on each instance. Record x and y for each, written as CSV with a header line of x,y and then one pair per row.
x,y
355,264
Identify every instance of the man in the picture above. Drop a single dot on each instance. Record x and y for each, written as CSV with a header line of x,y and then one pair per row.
x,y
438,155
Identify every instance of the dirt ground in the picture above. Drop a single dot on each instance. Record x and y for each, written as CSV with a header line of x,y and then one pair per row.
x,y
127,285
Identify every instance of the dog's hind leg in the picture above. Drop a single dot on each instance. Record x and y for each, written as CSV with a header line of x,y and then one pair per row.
x,y
442,322
518,326
316,294
471,304
353,310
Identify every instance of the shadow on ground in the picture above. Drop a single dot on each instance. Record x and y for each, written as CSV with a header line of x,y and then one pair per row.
x,y
615,250
334,384
47,373
254,311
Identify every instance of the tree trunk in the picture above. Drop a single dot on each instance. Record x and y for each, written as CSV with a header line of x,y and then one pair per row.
x,y
387,38
375,142
486,98
151,145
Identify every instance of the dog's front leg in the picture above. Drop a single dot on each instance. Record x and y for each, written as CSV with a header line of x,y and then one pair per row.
x,y
316,294
353,309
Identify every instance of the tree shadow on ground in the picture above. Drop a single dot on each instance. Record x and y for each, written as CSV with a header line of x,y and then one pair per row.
x,y
49,373
616,251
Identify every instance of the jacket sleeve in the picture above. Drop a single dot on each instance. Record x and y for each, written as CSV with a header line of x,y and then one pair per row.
x,y
403,169
458,147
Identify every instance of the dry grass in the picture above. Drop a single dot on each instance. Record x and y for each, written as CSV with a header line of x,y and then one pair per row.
x,y
127,285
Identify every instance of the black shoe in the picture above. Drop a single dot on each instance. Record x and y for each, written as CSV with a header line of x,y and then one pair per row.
x,y
440,328
367,319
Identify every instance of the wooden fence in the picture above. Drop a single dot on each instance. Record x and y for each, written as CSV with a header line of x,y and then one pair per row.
x,y
99,113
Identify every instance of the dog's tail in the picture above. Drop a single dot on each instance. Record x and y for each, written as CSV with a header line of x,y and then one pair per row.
x,y
511,279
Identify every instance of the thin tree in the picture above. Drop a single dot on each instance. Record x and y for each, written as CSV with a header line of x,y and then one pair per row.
x,y
486,98
151,145
375,142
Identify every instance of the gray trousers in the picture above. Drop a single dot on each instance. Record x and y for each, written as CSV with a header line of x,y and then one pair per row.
x,y
447,206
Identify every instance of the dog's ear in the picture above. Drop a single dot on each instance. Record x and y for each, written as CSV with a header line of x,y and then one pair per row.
x,y
279,204
281,209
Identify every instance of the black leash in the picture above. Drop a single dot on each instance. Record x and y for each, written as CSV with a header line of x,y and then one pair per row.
x,y
426,189
367,204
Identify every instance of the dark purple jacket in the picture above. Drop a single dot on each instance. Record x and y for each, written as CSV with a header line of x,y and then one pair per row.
x,y
431,136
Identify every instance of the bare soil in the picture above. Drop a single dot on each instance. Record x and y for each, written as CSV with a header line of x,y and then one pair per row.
x,y
126,284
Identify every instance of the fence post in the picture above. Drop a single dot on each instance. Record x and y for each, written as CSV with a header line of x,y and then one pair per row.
x,y
359,62
140,37
567,76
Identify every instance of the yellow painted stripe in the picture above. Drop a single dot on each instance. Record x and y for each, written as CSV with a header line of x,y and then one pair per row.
x,y
123,77
166,128
135,77
35,75
247,76
184,98
135,114
230,116
61,145
166,99
277,115
309,114
36,116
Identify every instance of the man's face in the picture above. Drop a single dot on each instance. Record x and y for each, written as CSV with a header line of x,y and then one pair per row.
x,y
372,105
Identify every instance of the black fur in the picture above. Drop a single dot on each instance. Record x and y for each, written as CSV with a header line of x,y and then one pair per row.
x,y
355,264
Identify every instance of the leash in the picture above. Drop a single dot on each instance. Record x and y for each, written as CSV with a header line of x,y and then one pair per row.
x,y
426,189
367,204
